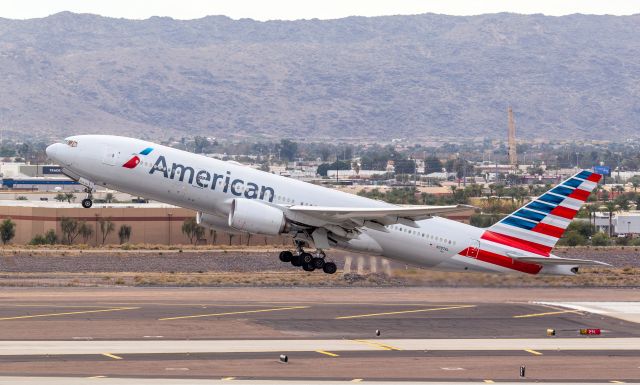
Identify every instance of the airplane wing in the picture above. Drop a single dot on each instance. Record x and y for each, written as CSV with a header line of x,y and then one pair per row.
x,y
377,218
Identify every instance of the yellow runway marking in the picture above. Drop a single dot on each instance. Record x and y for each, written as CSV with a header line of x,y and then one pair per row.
x,y
234,312
228,378
112,356
617,382
405,311
357,380
327,353
547,313
377,345
534,352
95,377
489,382
68,313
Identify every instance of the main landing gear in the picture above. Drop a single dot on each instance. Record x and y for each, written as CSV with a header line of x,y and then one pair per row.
x,y
88,201
308,262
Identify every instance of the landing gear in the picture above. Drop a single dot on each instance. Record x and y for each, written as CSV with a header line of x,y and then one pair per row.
x,y
330,268
88,201
308,261
286,256
318,262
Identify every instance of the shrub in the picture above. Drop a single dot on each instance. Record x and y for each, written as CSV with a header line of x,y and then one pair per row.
x,y
600,239
7,230
573,238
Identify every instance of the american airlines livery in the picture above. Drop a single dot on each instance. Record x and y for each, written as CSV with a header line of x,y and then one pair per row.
x,y
230,197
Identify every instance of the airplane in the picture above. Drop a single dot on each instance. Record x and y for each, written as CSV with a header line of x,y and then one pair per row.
x,y
231,197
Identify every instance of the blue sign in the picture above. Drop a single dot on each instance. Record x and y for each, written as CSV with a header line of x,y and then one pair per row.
x,y
51,170
602,170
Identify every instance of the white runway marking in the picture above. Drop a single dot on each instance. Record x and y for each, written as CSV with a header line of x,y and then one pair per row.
x,y
628,311
119,347
155,381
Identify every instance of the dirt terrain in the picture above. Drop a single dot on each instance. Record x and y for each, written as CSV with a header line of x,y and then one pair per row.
x,y
261,267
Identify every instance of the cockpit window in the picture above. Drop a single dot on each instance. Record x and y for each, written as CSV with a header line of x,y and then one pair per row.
x,y
72,143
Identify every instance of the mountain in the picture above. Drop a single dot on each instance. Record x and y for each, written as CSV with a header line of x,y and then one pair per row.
x,y
419,76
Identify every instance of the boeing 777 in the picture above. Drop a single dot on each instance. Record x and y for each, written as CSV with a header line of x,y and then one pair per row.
x,y
230,197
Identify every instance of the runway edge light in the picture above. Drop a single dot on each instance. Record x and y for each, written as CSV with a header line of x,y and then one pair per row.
x,y
551,332
284,358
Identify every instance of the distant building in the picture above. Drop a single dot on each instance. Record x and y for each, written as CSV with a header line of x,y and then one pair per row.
x,y
627,223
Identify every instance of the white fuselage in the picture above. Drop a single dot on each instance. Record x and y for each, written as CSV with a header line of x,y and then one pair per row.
x,y
208,185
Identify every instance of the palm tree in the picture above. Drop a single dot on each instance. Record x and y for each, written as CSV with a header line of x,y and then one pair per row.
x,y
611,208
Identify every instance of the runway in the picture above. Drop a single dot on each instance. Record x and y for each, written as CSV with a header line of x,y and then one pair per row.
x,y
329,335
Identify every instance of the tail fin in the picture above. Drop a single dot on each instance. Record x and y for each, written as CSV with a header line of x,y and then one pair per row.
x,y
538,225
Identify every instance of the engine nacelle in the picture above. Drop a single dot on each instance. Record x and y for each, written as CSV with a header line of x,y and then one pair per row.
x,y
215,222
255,217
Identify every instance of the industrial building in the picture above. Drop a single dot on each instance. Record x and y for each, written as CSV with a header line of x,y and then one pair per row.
x,y
151,223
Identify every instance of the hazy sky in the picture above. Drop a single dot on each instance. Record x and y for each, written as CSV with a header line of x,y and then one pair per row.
x,y
307,9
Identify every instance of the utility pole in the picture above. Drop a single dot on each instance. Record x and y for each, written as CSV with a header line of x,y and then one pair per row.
x,y
513,155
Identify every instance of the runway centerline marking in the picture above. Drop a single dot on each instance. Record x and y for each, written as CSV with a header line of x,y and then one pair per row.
x,y
234,312
534,352
112,356
377,345
405,312
547,313
327,353
68,313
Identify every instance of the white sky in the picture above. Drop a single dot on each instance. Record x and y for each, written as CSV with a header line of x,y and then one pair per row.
x,y
307,9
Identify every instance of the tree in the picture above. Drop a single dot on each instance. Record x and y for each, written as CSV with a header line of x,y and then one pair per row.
x,y
69,197
213,236
69,227
7,230
201,143
324,168
611,208
106,227
192,229
85,231
432,164
108,197
124,233
60,197
287,149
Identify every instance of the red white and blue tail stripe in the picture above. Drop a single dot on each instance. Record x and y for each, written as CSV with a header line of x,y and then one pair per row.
x,y
537,226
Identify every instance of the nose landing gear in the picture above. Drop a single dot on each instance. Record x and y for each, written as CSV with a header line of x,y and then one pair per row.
x,y
88,201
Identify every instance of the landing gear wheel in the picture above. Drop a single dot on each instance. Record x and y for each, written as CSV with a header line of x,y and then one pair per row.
x,y
296,260
286,256
306,257
330,268
308,267
87,203
317,262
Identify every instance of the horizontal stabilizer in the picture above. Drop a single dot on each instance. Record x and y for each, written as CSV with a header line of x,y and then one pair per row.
x,y
561,261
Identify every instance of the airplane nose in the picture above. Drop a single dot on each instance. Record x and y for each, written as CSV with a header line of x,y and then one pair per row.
x,y
54,150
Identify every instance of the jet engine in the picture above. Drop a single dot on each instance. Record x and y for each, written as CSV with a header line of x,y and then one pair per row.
x,y
255,217
215,222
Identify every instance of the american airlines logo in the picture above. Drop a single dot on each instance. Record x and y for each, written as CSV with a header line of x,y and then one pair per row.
x,y
135,160
212,180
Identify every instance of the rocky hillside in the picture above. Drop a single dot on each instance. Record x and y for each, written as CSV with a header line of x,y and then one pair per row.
x,y
414,76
